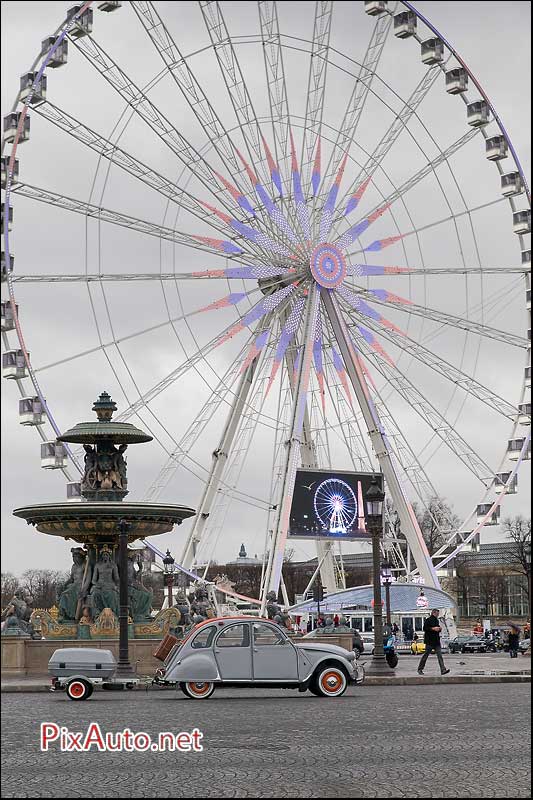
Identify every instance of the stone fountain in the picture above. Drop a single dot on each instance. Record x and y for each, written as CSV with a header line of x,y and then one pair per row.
x,y
104,586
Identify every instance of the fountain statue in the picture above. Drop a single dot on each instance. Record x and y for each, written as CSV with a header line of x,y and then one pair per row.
x,y
201,606
104,589
74,591
16,617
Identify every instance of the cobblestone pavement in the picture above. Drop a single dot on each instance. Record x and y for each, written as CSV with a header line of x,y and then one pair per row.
x,y
391,741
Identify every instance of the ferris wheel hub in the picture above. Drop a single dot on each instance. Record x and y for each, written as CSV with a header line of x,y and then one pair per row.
x,y
328,265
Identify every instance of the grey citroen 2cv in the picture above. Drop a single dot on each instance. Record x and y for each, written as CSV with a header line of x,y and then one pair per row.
x,y
255,652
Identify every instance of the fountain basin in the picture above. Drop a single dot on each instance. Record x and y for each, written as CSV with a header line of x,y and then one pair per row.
x,y
91,522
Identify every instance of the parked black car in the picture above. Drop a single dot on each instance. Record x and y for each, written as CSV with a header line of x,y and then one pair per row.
x,y
455,645
475,644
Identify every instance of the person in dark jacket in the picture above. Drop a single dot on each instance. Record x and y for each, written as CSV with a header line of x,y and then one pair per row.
x,y
514,637
432,630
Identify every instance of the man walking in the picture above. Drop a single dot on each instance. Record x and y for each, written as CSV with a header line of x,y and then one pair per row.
x,y
432,641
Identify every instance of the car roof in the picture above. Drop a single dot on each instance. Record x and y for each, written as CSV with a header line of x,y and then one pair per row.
x,y
241,617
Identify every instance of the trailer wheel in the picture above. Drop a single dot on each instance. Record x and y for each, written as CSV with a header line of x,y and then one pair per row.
x,y
197,690
79,689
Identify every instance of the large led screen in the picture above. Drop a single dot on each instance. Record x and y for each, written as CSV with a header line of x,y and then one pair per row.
x,y
330,505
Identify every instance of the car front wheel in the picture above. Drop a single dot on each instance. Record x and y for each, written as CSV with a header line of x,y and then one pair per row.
x,y
197,690
330,681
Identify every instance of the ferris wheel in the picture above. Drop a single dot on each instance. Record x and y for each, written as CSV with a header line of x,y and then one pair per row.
x,y
295,231
335,505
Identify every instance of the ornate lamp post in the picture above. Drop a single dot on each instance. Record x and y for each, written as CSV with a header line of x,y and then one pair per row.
x,y
124,667
386,577
528,567
169,568
374,511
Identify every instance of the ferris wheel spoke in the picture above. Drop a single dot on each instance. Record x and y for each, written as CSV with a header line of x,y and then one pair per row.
x,y
380,244
277,89
182,74
382,297
428,412
414,180
235,83
116,155
316,87
207,244
369,270
190,157
214,402
204,112
446,370
236,273
400,123
262,308
172,377
356,103
115,341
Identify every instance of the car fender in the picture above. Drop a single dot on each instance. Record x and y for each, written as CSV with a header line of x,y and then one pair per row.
x,y
329,658
193,667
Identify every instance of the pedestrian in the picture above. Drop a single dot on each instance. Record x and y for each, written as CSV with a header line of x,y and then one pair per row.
x,y
527,630
395,629
309,626
514,636
432,631
336,620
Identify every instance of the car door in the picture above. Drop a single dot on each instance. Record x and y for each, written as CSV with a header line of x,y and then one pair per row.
x,y
233,653
274,657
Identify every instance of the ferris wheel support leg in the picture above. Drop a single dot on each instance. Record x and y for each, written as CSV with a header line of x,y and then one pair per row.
x,y
409,524
293,449
309,460
220,458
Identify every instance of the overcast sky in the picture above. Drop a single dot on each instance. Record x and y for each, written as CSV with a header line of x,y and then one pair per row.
x,y
61,320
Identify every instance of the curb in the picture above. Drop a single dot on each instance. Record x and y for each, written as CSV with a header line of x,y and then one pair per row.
x,y
416,680
411,680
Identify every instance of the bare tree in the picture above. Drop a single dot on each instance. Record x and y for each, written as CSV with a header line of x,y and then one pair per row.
x,y
43,585
9,587
436,520
518,558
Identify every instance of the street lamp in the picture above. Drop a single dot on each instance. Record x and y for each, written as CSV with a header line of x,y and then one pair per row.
x,y
124,667
169,568
386,577
374,498
528,567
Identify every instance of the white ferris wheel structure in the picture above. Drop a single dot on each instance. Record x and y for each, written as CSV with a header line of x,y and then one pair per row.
x,y
321,216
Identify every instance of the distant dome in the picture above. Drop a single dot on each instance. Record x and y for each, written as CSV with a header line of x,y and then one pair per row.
x,y
244,560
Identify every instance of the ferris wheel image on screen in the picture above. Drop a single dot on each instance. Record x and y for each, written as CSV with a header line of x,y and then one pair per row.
x,y
335,505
